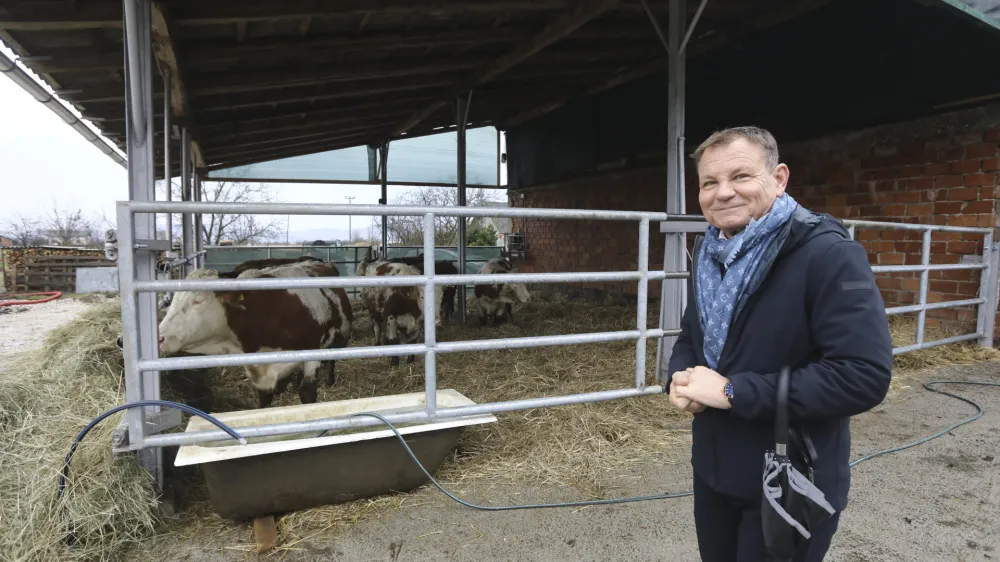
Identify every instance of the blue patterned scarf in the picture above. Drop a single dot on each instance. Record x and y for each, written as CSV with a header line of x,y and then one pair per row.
x,y
747,257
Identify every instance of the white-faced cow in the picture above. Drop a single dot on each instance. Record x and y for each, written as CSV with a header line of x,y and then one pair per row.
x,y
493,301
225,322
397,312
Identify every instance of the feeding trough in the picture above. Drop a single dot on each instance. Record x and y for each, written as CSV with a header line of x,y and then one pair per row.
x,y
291,472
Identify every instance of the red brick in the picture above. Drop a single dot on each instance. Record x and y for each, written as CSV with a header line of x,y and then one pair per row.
x,y
966,167
937,248
880,174
980,179
910,284
948,181
981,151
893,210
947,207
859,199
836,201
883,197
955,274
913,259
978,207
991,135
908,197
951,154
907,247
962,247
919,209
936,169
887,283
991,164
968,289
842,176
986,221
948,236
920,184
944,286
910,172
970,138
964,193
890,259
962,220
882,246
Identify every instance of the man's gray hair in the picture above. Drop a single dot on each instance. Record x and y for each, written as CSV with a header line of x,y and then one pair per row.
x,y
760,137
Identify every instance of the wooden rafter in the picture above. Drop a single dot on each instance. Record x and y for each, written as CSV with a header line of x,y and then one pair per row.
x,y
562,26
166,58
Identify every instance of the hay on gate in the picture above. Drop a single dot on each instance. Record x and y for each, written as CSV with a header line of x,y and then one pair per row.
x,y
45,400
904,332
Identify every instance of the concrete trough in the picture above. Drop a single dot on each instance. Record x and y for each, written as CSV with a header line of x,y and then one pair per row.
x,y
273,475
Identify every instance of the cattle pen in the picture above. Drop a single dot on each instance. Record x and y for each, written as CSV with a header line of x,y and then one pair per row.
x,y
590,87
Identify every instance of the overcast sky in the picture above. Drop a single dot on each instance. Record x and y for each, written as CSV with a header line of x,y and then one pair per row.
x,y
44,162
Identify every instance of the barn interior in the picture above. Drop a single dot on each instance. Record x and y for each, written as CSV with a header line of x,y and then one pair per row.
x,y
581,88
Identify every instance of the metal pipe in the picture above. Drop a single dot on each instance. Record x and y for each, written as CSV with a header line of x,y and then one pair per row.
x,y
656,26
168,187
934,267
693,25
925,259
199,225
642,296
384,201
391,210
911,226
28,84
462,118
932,306
935,343
270,357
187,219
851,231
270,284
431,310
328,424
983,325
672,297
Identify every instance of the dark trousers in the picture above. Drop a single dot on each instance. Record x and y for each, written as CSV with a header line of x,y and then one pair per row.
x,y
729,529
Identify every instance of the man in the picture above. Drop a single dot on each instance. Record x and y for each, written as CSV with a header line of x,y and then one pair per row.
x,y
772,284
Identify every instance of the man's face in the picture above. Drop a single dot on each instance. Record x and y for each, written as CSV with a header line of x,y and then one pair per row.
x,y
736,185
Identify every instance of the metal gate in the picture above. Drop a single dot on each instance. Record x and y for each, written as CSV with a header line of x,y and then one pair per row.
x,y
142,369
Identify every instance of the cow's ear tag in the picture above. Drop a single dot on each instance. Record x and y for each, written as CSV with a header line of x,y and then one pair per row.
x,y
241,296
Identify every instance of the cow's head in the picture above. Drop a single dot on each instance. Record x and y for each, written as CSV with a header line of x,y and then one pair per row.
x,y
403,318
515,292
194,318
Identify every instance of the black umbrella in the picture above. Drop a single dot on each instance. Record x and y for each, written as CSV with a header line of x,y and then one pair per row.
x,y
792,505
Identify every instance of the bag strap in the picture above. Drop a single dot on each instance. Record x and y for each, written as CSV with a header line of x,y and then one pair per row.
x,y
781,416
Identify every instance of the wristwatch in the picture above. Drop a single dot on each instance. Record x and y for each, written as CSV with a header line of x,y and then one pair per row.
x,y
728,391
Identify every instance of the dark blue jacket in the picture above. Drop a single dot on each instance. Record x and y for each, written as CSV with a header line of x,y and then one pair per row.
x,y
818,311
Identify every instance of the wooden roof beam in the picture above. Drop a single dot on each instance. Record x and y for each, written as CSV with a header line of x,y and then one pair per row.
x,y
562,26
166,58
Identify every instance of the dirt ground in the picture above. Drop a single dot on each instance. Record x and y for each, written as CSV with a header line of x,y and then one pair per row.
x,y
936,502
939,501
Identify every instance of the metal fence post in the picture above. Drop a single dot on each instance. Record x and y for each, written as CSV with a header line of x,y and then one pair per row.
x,y
166,155
925,259
430,317
139,311
641,304
673,296
987,289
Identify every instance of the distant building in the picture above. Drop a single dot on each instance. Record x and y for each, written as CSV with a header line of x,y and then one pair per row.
x,y
6,242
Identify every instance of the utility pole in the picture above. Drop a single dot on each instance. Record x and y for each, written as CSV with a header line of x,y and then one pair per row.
x,y
350,231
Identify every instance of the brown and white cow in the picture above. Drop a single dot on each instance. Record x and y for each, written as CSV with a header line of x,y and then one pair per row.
x,y
397,312
225,322
441,267
494,301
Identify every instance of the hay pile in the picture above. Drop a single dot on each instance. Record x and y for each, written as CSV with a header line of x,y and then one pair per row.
x,y
906,365
45,400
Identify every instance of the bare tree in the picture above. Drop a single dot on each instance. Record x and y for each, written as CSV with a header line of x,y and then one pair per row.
x,y
409,231
240,229
67,228
21,229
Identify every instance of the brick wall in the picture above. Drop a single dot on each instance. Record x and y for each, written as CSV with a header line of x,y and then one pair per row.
x,y
942,170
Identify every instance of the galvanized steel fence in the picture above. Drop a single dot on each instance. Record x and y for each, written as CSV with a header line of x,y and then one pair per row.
x,y
137,367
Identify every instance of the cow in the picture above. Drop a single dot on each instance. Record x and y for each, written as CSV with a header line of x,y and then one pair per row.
x,y
225,322
497,300
265,263
397,312
441,267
